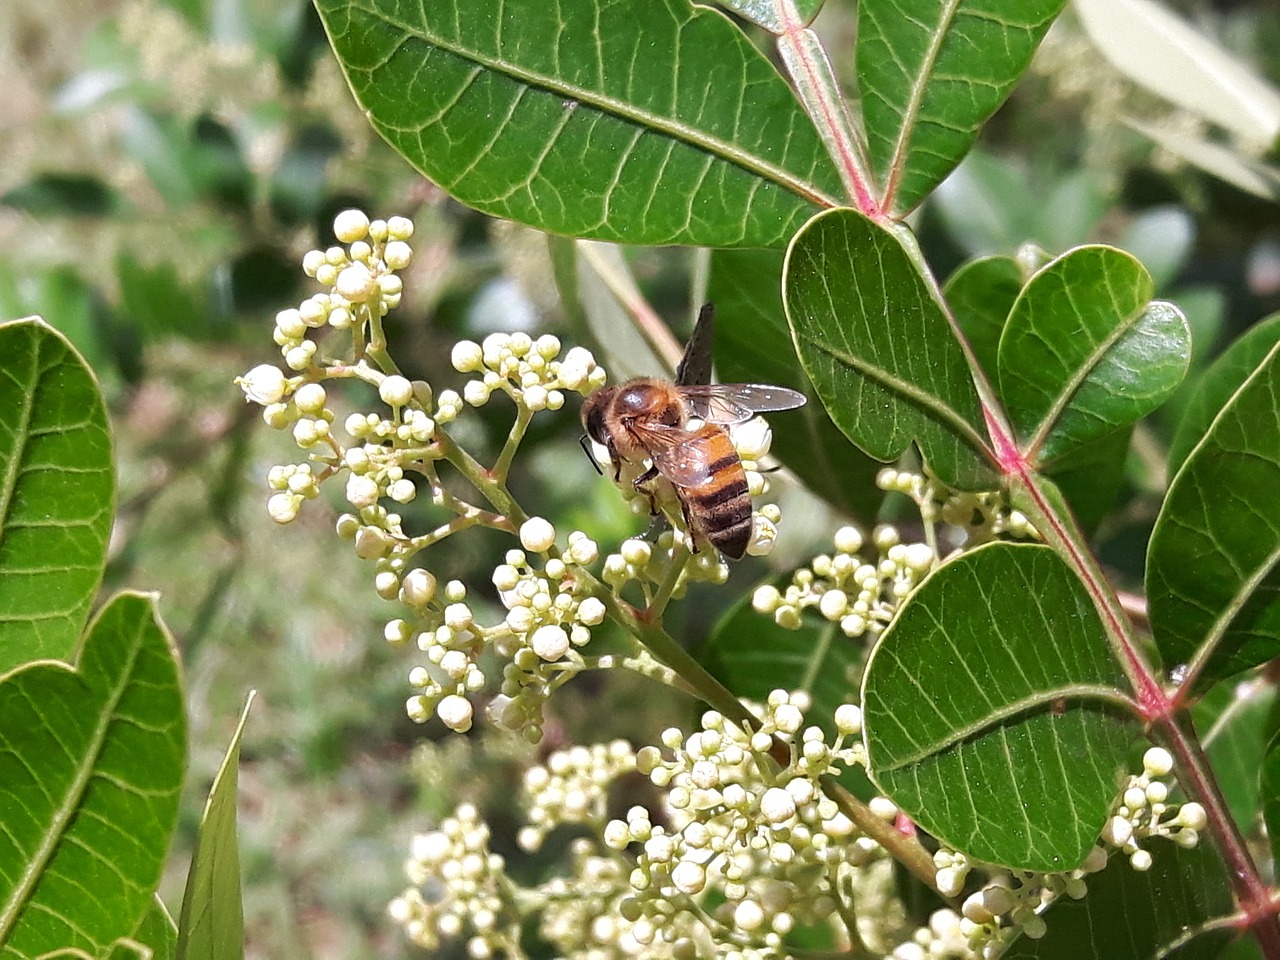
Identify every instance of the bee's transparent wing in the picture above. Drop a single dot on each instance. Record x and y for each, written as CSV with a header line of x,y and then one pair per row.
x,y
680,456
731,403
695,365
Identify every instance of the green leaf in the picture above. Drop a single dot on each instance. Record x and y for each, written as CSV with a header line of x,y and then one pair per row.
x,y
211,925
1091,477
63,194
991,709
1218,384
91,765
1133,915
980,294
1086,353
57,491
1227,163
1175,60
764,13
1213,589
637,121
1235,721
931,74
753,345
156,303
155,938
1269,787
879,350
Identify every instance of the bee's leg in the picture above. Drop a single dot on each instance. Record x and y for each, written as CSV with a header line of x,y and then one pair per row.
x,y
690,529
643,483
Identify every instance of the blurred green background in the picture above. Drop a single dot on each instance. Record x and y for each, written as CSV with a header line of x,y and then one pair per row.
x,y
164,167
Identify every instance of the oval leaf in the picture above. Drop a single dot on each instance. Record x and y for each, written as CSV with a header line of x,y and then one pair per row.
x,y
57,493
1213,587
640,121
980,294
879,350
931,74
991,710
93,758
1086,352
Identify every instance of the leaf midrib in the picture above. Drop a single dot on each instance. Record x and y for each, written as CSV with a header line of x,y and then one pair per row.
x,y
667,126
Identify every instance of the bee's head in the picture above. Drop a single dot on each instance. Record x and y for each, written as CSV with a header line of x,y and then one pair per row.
x,y
593,414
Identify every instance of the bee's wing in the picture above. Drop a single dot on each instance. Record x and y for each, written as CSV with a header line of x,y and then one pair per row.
x,y
695,365
680,456
735,402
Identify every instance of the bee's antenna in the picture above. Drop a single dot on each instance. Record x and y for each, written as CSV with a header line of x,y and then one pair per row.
x,y
582,442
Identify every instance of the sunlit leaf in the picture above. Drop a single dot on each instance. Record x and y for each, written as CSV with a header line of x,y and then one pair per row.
x,y
1086,353
1213,588
931,74
639,121
992,713
879,350
980,294
57,492
91,765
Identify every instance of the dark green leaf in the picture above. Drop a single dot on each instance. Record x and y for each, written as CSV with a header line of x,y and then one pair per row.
x,y
57,491
991,709
63,194
155,302
980,294
639,121
91,764
1213,589
212,919
1132,915
1269,787
1086,353
879,350
1235,721
931,74
1217,385
1092,476
753,345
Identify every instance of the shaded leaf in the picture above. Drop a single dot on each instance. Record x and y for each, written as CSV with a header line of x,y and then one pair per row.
x,y
1235,721
1218,384
156,303
1227,163
991,709
753,345
931,74
879,350
1091,477
639,121
91,764
1221,613
57,492
980,294
1269,788
1134,915
63,194
1086,353
212,918
1161,239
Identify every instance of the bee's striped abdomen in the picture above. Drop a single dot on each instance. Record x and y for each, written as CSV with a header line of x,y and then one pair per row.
x,y
721,506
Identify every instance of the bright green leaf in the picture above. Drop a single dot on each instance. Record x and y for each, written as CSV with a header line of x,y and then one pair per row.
x,y
57,491
212,919
638,121
980,294
753,345
879,350
992,713
1213,588
1086,353
1218,384
1137,915
1235,721
91,765
931,74
155,938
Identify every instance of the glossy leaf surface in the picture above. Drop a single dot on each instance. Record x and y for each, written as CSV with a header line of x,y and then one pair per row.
x,y
91,765
879,350
991,711
640,121
980,294
931,74
57,493
1221,613
1086,353
753,345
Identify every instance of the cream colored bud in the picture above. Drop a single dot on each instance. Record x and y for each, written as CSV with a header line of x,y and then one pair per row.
x,y
456,713
397,254
395,391
355,283
264,384
1157,762
689,877
777,806
418,587
550,642
591,611
283,507
402,490
372,543
361,491
537,535
350,225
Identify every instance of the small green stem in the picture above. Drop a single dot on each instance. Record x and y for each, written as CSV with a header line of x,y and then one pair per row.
x,y
502,465
680,557
377,348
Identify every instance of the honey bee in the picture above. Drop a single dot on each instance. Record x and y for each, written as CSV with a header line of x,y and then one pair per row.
x,y
648,419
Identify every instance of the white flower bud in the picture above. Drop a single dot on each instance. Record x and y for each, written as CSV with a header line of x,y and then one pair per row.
x,y
402,490
777,806
918,557
397,254
833,604
537,535
1140,861
550,642
1157,761
591,611
456,713
416,708
763,536
884,808
418,587
766,598
395,391
264,384
310,398
350,225
748,916
467,356
457,616
752,439
849,719
289,323
371,543
535,397
1193,816
635,551
361,491
399,228
283,507
355,283
689,877
386,584
476,393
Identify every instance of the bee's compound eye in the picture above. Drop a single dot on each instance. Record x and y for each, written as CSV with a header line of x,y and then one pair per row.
x,y
636,400
593,421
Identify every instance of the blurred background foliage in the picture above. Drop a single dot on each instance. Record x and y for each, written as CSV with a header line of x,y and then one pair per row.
x,y
165,165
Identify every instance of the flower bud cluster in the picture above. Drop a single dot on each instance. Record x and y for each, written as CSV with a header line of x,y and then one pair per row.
x,y
649,564
572,787
1144,811
764,846
581,918
446,631
861,597
526,369
982,516
459,888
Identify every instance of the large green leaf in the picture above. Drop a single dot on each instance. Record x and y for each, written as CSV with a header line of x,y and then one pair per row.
x,y
879,350
212,919
1086,353
1213,588
91,765
57,492
991,709
638,121
1235,721
980,294
1137,915
931,73
753,345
